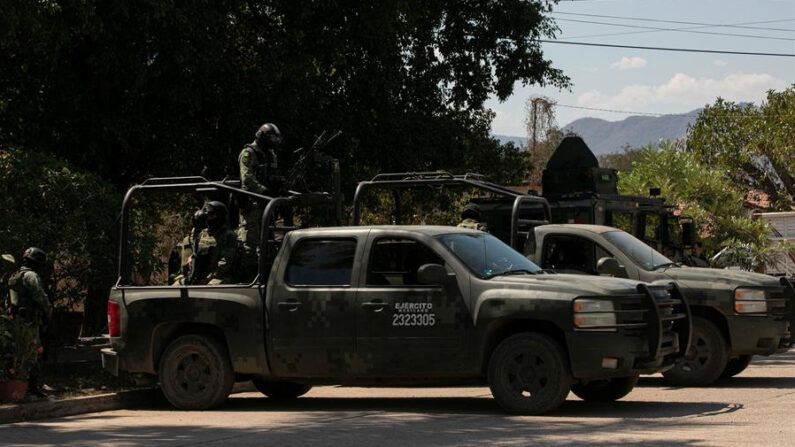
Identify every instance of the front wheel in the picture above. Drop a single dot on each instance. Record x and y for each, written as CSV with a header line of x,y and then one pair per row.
x,y
195,373
606,390
736,366
281,390
528,374
706,359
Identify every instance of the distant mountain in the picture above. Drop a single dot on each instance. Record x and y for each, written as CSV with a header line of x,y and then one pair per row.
x,y
604,137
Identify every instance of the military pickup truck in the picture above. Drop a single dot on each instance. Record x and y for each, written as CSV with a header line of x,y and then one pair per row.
x,y
397,306
736,314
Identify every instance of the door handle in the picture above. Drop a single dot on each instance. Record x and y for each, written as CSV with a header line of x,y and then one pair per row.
x,y
291,306
376,306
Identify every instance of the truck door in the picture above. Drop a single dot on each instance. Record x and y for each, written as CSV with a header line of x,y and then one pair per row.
x,y
404,328
310,308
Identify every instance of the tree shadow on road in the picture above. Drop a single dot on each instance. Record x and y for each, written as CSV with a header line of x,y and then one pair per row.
x,y
384,422
733,382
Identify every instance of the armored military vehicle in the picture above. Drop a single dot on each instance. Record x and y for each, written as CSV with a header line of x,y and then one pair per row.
x,y
389,305
575,190
736,314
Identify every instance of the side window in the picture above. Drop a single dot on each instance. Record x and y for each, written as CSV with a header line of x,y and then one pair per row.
x,y
321,262
394,262
601,253
569,254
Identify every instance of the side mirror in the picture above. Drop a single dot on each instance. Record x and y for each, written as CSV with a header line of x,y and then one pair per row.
x,y
434,274
610,266
688,234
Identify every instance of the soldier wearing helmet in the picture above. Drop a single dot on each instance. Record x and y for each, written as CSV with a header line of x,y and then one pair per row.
x,y
471,218
258,173
28,301
211,257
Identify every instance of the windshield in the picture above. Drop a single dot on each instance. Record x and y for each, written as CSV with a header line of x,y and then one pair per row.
x,y
644,256
486,256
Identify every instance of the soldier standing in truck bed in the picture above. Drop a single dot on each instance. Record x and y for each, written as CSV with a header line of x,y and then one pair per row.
x,y
472,219
258,173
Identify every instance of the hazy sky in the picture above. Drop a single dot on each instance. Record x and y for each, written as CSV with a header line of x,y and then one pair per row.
x,y
657,81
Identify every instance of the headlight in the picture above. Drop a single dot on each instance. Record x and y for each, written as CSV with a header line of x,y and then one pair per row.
x,y
594,314
750,301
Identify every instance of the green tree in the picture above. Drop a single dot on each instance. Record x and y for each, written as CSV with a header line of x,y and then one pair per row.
x,y
754,146
68,213
131,89
622,161
706,195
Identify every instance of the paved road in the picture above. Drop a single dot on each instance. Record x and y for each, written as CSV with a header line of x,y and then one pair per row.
x,y
755,408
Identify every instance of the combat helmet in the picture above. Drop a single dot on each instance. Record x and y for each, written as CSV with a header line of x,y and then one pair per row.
x,y
268,135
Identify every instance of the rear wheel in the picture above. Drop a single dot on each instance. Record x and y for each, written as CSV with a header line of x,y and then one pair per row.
x,y
736,366
195,373
706,359
528,374
605,390
281,390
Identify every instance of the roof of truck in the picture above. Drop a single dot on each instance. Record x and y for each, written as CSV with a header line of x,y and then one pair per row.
x,y
430,230
585,227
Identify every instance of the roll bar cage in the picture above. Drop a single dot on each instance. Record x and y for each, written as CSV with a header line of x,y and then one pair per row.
x,y
409,180
197,184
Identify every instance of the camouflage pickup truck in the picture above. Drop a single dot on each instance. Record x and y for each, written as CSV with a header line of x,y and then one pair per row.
x,y
400,306
736,314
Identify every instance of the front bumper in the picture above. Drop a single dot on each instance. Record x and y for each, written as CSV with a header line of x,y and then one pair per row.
x,y
766,334
110,361
652,334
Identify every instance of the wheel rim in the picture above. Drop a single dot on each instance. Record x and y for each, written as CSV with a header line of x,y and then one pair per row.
x,y
194,374
527,374
697,356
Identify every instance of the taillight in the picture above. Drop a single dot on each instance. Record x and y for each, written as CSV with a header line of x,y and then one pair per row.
x,y
114,323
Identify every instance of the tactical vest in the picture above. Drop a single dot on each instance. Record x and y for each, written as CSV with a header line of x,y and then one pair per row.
x,y
20,303
266,164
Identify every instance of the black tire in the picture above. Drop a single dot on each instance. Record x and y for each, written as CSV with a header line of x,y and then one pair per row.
x,y
607,390
736,366
706,359
195,373
281,390
528,374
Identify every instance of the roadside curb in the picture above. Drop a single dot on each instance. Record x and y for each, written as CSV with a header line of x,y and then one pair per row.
x,y
48,409
79,405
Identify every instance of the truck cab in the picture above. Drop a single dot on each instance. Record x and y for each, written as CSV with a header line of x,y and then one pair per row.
x,y
736,314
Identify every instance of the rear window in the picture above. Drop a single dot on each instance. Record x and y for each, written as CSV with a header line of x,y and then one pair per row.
x,y
321,262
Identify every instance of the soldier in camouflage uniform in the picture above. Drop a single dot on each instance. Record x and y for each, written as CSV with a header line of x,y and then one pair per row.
x,y
471,218
28,301
258,173
216,256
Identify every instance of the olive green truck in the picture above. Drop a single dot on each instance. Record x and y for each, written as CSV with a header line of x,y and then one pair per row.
x,y
400,306
736,314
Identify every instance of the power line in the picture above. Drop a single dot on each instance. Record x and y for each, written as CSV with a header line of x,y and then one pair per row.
x,y
679,22
651,31
683,50
626,112
681,30
687,115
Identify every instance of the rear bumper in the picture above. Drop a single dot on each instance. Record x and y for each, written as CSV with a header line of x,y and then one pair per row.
x,y
110,361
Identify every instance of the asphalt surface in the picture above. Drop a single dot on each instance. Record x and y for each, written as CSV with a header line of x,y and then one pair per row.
x,y
754,408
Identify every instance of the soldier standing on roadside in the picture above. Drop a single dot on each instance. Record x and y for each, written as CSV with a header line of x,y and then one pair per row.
x,y
258,173
29,302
